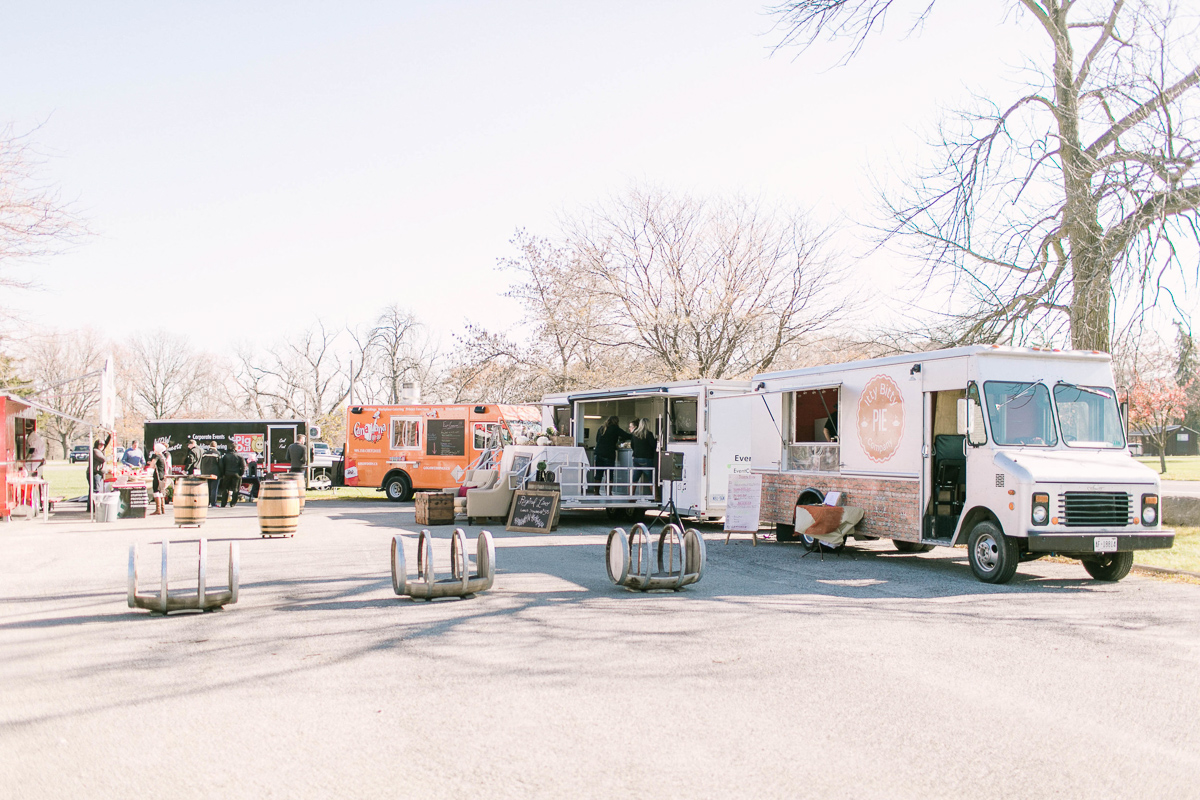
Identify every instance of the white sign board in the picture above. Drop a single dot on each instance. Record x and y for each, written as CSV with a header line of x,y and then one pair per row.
x,y
108,396
743,499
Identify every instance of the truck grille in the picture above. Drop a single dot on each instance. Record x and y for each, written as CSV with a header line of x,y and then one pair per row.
x,y
1083,509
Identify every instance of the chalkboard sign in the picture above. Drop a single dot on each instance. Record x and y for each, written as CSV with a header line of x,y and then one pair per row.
x,y
533,512
446,437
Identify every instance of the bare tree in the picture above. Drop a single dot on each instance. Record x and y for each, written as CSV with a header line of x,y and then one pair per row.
x,y
34,221
303,375
162,375
64,368
1080,190
703,288
396,351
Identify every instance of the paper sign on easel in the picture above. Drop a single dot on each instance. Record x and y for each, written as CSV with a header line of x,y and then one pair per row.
x,y
743,500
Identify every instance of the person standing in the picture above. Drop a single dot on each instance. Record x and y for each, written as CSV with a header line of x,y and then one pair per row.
x,y
232,466
133,457
210,469
297,455
36,445
191,459
158,477
96,478
605,453
645,447
252,476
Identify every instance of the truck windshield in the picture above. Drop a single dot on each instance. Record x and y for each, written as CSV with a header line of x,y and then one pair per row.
x,y
1088,416
1020,413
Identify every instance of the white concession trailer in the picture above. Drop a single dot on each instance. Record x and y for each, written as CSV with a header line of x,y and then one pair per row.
x,y
1014,452
708,438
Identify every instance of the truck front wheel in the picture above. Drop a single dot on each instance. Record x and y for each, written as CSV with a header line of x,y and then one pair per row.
x,y
994,556
1109,567
398,489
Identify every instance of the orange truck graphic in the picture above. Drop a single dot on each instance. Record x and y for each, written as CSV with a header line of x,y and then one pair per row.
x,y
404,448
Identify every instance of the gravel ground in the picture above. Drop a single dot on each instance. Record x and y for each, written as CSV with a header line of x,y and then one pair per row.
x,y
870,674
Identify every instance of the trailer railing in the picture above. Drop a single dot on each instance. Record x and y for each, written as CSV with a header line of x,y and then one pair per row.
x,y
599,485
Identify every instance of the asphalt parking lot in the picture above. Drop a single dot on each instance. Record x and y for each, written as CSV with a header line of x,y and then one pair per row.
x,y
871,674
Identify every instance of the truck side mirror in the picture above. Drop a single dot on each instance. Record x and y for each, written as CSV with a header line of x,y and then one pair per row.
x,y
1125,419
963,415
975,432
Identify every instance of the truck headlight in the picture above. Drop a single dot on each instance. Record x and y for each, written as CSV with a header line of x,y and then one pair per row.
x,y
1149,509
1041,508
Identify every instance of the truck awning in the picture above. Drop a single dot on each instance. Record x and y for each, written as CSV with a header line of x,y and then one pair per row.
x,y
521,413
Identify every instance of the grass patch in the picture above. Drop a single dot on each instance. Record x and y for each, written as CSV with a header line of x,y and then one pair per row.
x,y
66,480
347,493
1184,555
1179,468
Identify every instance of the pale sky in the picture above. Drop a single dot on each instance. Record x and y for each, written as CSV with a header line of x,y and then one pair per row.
x,y
248,166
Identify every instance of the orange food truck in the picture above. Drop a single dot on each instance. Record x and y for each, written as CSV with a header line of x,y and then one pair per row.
x,y
399,449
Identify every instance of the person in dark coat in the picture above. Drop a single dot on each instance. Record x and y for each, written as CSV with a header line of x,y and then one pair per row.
x,y
191,459
157,464
605,453
645,448
232,466
210,468
252,477
297,455
96,476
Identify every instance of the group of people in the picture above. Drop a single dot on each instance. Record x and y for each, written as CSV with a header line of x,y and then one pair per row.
x,y
642,441
225,472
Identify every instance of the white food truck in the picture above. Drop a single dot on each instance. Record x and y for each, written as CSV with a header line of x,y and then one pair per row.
x,y
704,440
1014,452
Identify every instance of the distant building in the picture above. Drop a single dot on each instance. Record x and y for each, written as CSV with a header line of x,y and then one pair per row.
x,y
1181,441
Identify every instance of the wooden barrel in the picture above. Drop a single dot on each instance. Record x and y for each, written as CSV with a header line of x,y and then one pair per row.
x,y
278,508
298,479
191,500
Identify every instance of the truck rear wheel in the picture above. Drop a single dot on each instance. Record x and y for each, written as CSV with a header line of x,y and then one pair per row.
x,y
994,556
398,489
911,547
1108,567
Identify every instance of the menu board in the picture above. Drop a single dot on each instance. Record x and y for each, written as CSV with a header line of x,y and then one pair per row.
x,y
532,512
446,437
742,501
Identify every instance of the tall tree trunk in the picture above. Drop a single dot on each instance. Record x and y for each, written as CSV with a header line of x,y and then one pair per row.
x,y
1091,278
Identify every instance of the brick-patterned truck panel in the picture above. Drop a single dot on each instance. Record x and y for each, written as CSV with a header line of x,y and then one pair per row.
x,y
891,505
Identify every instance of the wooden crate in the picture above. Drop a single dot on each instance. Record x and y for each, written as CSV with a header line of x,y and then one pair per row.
x,y
435,508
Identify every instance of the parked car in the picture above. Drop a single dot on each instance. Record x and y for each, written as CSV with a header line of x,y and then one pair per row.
x,y
79,452
323,456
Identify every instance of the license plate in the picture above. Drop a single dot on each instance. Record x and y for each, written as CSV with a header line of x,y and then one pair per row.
x,y
1105,544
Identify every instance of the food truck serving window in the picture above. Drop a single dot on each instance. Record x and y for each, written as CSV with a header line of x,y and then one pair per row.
x,y
813,435
683,419
487,434
1020,413
406,433
815,415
